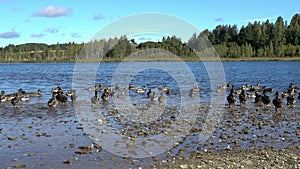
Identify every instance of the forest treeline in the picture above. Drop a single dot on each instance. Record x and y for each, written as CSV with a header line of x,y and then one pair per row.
x,y
257,39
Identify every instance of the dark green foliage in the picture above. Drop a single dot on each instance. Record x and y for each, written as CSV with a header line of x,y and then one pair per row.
x,y
256,39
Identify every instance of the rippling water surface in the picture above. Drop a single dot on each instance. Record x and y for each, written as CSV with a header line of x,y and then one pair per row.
x,y
31,77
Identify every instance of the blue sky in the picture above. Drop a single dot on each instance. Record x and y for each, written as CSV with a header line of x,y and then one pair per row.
x,y
52,21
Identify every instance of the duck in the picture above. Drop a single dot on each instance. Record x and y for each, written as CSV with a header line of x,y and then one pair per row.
x,y
277,101
25,98
230,85
117,88
72,94
161,98
16,100
61,97
256,87
265,98
267,89
105,96
121,94
21,92
9,97
251,95
57,89
299,96
37,94
165,88
196,88
95,87
231,99
52,103
131,87
243,97
95,99
2,96
258,100
192,93
169,92
142,90
149,93
246,87
153,97
238,92
221,89
290,100
291,86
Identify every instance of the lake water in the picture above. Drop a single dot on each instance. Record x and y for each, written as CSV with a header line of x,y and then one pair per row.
x,y
31,77
41,137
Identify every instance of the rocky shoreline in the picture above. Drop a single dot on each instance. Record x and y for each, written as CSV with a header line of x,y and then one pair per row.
x,y
254,158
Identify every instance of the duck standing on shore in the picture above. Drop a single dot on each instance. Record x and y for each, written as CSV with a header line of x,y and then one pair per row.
x,y
290,100
16,100
243,97
265,98
105,97
161,98
258,99
149,93
277,102
52,103
95,99
61,97
231,99
72,94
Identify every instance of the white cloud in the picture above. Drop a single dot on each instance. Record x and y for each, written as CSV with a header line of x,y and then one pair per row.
x,y
52,11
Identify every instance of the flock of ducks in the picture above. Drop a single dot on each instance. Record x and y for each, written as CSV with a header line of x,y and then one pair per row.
x,y
260,95
246,92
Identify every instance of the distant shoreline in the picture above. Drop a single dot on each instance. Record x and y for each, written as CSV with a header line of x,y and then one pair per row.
x,y
187,59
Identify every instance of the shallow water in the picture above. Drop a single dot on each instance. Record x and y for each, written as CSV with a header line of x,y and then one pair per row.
x,y
41,137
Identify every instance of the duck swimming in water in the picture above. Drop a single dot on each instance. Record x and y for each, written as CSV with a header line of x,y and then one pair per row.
x,y
221,89
165,88
169,92
2,96
37,94
142,90
192,93
277,101
131,87
267,89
